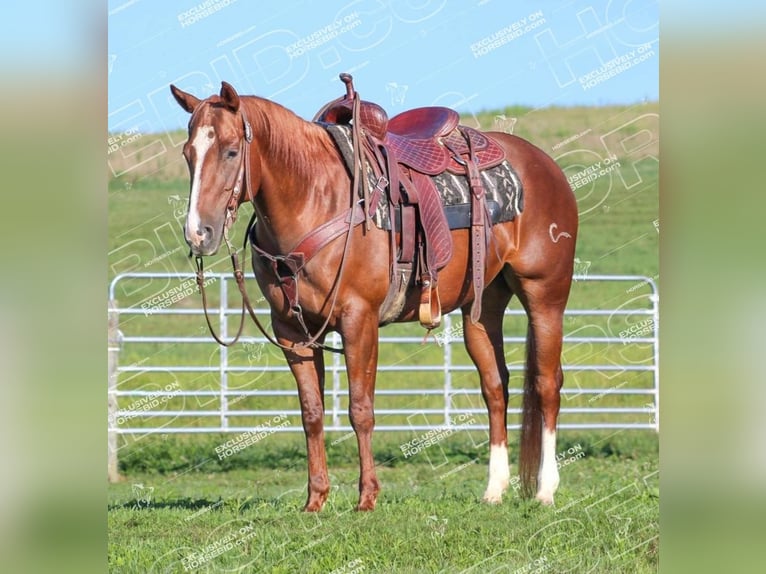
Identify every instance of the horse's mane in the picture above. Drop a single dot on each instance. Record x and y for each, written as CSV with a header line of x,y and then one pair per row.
x,y
293,140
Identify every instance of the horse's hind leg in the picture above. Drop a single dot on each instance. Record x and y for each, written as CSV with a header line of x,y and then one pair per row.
x,y
544,300
484,342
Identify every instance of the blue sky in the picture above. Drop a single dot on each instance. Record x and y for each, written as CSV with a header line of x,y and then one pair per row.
x,y
470,55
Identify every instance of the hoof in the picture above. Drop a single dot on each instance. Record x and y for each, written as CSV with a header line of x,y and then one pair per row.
x,y
366,504
546,499
315,503
493,496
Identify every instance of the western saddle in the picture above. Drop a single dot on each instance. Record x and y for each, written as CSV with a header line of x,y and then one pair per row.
x,y
404,153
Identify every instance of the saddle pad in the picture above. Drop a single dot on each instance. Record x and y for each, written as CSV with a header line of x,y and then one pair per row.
x,y
458,216
501,184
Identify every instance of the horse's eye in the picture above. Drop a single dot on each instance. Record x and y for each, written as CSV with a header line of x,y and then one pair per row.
x,y
231,154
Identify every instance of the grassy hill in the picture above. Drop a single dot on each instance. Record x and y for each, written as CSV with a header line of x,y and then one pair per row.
x,y
157,157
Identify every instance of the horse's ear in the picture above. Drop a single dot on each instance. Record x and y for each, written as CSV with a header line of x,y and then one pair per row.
x,y
186,101
229,96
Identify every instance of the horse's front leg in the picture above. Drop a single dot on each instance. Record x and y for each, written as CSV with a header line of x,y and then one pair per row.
x,y
360,341
307,366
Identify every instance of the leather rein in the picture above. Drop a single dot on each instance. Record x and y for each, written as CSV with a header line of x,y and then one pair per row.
x,y
295,260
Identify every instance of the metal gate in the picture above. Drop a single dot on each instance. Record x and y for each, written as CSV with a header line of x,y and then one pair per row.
x,y
158,384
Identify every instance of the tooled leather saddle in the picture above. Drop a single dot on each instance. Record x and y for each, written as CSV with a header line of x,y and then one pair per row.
x,y
404,152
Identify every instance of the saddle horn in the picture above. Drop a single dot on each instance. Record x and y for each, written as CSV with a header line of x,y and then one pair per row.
x,y
349,81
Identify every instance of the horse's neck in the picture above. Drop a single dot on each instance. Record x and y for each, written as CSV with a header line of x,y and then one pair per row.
x,y
299,174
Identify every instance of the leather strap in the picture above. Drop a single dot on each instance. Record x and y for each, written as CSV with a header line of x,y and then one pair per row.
x,y
201,284
304,251
478,232
314,241
243,174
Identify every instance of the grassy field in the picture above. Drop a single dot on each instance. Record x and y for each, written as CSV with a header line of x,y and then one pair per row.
x,y
178,500
429,517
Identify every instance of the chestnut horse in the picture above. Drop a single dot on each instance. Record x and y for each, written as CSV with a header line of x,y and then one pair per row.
x,y
296,181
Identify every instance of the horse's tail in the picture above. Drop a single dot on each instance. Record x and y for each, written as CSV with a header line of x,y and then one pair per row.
x,y
531,424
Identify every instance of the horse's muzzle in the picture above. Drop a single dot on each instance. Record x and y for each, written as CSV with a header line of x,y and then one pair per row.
x,y
203,240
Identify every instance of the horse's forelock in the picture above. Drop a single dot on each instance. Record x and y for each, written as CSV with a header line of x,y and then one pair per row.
x,y
205,114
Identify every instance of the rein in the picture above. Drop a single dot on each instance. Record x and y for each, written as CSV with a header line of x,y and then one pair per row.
x,y
297,258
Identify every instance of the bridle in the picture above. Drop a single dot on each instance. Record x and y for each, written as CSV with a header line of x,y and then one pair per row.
x,y
242,180
312,242
243,176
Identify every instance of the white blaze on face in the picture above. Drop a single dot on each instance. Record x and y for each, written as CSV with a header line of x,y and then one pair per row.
x,y
201,143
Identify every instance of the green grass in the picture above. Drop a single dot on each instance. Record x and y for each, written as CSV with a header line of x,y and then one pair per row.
x,y
428,519
429,516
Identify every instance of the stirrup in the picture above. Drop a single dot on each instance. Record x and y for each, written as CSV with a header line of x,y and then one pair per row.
x,y
430,310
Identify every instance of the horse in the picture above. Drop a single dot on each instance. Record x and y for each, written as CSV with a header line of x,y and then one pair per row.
x,y
249,148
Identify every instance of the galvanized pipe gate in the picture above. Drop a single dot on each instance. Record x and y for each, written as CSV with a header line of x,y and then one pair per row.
x,y
152,389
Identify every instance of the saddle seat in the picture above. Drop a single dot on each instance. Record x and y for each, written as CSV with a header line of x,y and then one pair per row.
x,y
424,123
413,133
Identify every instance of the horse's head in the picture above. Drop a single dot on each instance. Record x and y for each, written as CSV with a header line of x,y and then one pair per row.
x,y
216,155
